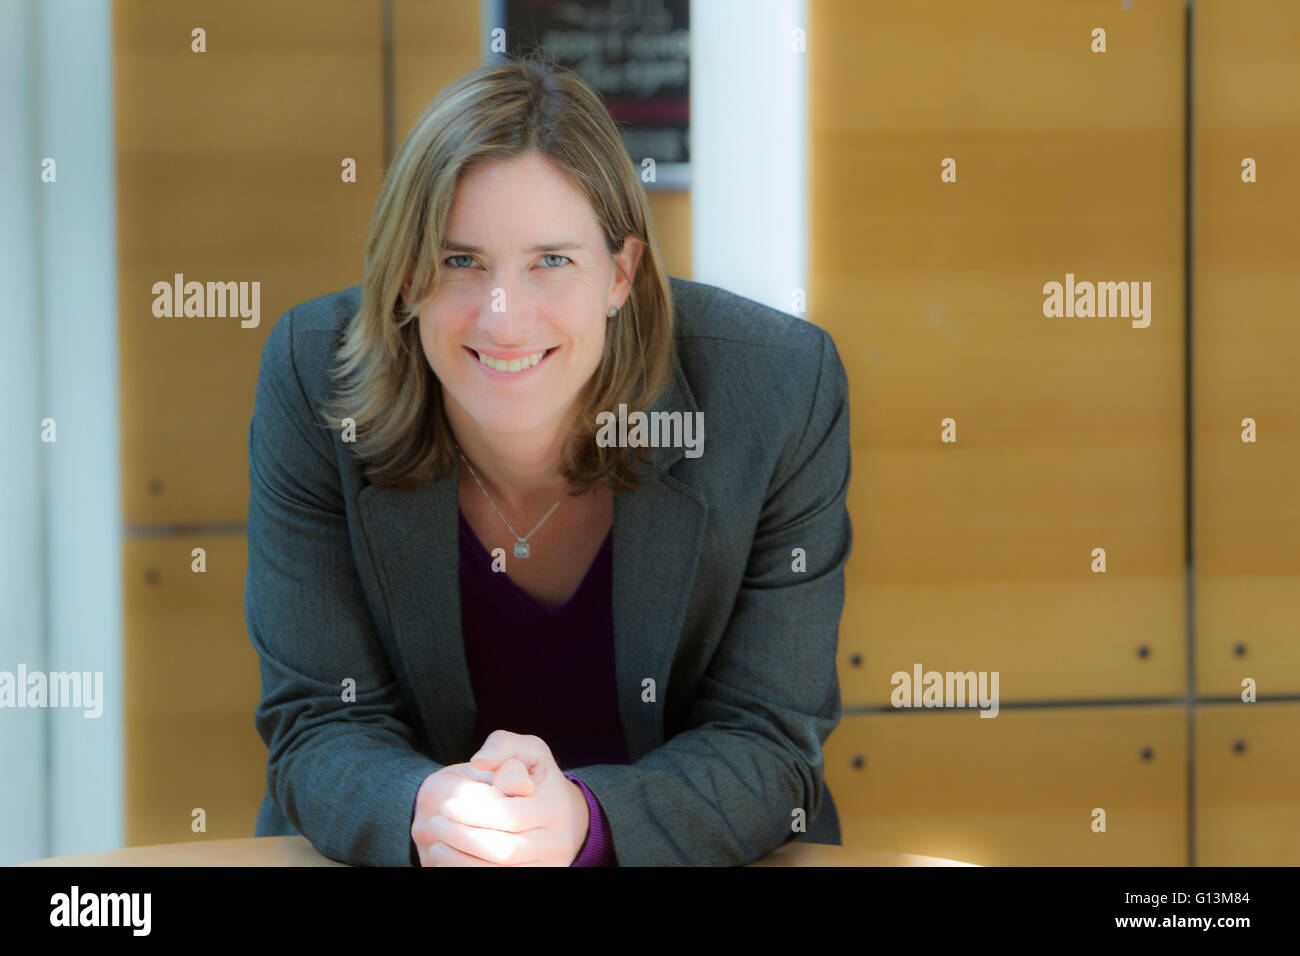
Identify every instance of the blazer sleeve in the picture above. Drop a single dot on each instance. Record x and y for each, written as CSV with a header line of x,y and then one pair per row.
x,y
725,791
345,773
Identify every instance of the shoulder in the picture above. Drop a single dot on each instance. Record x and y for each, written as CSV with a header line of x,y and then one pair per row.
x,y
706,312
303,340
734,350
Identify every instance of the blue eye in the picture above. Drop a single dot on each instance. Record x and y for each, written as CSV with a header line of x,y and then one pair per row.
x,y
470,260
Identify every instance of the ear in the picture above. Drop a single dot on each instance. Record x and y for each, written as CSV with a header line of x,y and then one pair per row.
x,y
628,258
406,297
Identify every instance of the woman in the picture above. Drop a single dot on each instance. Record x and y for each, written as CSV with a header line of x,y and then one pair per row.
x,y
501,620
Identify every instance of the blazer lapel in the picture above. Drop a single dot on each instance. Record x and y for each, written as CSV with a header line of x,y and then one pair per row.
x,y
412,539
658,533
414,543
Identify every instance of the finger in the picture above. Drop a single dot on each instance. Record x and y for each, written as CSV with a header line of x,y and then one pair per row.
x,y
473,773
512,778
470,794
496,749
423,838
429,795
447,853
443,855
501,745
494,846
485,806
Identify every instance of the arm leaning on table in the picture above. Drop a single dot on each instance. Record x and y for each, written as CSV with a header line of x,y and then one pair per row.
x,y
722,793
344,774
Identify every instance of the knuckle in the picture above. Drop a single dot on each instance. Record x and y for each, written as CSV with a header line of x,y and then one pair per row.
x,y
421,833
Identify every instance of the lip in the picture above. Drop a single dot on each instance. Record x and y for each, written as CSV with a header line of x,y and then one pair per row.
x,y
506,357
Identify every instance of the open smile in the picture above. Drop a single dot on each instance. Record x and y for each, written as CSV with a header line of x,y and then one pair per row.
x,y
516,366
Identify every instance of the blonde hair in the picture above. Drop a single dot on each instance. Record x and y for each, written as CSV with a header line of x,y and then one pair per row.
x,y
383,379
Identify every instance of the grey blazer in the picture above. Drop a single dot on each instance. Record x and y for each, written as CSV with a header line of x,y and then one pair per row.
x,y
728,589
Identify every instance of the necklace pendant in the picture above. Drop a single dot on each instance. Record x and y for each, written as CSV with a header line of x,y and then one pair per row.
x,y
521,549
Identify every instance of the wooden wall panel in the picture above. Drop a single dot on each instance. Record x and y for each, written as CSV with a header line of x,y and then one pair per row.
x,y
671,210
434,43
229,170
1018,789
192,683
1248,784
976,555
1247,508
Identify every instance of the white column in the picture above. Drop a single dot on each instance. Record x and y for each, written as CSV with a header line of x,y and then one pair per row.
x,y
83,484
23,811
60,569
749,148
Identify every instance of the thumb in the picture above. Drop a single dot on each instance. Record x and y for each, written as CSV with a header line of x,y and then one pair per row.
x,y
501,745
512,779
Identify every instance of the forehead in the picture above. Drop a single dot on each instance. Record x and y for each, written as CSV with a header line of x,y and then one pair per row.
x,y
515,197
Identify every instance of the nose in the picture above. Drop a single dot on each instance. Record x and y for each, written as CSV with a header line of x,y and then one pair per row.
x,y
507,314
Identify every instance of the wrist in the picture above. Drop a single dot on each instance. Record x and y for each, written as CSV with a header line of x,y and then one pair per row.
x,y
581,817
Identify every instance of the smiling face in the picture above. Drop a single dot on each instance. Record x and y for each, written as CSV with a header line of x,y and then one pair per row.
x,y
515,326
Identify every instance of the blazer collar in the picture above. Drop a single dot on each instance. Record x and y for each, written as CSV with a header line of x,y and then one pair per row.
x,y
412,541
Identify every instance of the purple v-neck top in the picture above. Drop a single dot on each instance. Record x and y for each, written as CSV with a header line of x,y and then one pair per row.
x,y
547,671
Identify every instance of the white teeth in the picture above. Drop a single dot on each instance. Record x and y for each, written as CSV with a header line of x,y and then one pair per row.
x,y
512,365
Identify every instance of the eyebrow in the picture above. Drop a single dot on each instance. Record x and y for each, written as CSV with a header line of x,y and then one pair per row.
x,y
451,245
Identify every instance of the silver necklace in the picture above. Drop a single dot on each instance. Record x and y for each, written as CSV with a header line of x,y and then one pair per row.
x,y
521,544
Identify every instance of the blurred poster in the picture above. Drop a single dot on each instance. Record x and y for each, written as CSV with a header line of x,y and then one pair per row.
x,y
635,53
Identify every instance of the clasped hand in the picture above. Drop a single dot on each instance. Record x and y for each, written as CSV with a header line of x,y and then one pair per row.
x,y
509,806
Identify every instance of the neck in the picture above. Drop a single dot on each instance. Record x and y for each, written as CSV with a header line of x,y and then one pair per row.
x,y
521,472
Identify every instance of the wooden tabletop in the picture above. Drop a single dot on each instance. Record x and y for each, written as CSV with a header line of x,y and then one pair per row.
x,y
296,851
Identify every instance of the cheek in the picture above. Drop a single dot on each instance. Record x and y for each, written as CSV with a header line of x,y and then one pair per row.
x,y
593,350
588,336
440,334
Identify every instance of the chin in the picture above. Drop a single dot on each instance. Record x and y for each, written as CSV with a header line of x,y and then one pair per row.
x,y
507,421
499,426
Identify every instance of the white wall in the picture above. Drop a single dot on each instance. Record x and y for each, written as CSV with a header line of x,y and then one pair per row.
x,y
749,148
60,555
